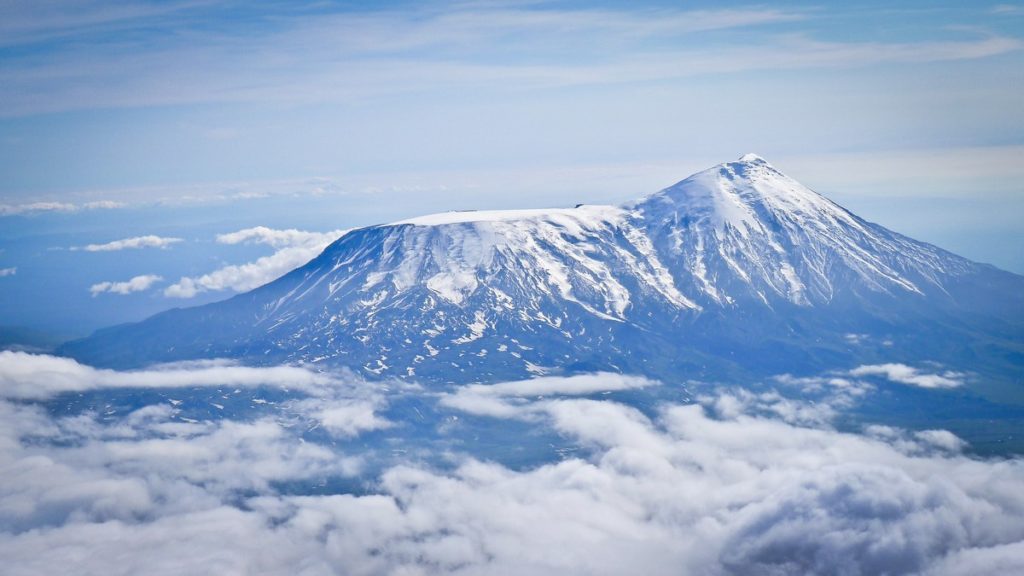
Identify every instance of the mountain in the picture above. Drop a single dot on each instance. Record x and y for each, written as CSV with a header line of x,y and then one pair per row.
x,y
736,270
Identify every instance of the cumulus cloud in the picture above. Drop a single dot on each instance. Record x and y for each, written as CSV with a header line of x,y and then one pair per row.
x,y
243,277
136,284
855,382
903,374
507,399
721,486
686,492
278,238
841,389
149,241
168,467
294,248
345,417
38,376
8,272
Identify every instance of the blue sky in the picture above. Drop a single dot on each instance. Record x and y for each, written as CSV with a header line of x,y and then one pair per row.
x,y
196,118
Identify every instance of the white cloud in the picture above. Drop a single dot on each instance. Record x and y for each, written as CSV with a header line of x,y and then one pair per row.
x,y
903,374
712,488
1007,9
854,338
344,417
49,206
730,404
506,399
569,385
853,383
839,387
103,205
8,271
169,467
136,284
942,439
294,248
37,376
196,193
9,209
278,238
243,277
148,241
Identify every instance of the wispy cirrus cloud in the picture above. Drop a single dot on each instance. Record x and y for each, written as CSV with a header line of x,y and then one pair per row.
x,y
8,271
293,249
136,284
103,205
9,209
50,206
1007,9
356,55
148,241
193,194
30,24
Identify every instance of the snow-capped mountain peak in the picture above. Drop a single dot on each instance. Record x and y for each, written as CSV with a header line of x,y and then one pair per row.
x,y
514,292
744,229
751,157
739,195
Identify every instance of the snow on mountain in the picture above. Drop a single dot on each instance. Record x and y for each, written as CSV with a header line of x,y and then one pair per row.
x,y
585,255
746,229
738,265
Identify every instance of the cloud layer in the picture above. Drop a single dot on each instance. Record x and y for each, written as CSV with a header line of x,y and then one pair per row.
x,y
737,483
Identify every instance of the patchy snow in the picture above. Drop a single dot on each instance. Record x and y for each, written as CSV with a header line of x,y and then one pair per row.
x,y
535,369
476,329
372,279
453,286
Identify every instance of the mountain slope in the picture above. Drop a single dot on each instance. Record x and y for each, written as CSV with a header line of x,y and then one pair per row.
x,y
737,269
745,230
